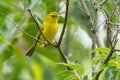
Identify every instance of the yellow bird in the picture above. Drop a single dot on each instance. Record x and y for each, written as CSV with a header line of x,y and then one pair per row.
x,y
50,29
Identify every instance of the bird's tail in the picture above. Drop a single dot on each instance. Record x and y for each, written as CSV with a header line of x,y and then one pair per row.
x,y
31,51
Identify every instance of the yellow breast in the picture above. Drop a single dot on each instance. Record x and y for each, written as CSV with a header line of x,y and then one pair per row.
x,y
50,30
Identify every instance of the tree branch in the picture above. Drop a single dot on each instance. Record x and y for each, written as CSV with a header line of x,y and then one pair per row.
x,y
98,74
84,8
95,38
118,50
107,58
64,25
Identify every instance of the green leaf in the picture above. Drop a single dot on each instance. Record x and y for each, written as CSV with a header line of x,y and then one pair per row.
x,y
63,74
85,77
98,58
114,20
49,52
19,56
118,75
109,6
77,67
111,73
71,77
112,63
104,50
52,5
4,56
37,70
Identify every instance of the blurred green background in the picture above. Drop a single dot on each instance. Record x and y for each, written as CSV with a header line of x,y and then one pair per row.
x,y
45,63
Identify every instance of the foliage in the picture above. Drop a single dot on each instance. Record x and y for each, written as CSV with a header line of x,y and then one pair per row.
x,y
91,40
14,43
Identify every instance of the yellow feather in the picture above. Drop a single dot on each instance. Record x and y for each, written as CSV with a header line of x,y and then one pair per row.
x,y
50,29
50,26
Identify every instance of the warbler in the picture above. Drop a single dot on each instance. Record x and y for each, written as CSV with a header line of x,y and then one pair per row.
x,y
49,29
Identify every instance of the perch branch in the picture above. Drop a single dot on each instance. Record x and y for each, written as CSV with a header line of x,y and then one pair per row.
x,y
64,25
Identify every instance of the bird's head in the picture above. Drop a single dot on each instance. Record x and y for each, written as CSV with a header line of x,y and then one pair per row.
x,y
52,17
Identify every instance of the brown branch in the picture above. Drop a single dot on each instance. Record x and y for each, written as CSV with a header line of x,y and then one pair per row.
x,y
95,38
113,44
66,60
114,41
118,50
64,25
111,41
39,25
98,74
84,8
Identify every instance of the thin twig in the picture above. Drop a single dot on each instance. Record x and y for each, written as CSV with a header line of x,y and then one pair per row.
x,y
113,44
113,41
64,25
118,50
104,62
95,9
39,25
95,38
66,60
18,27
112,47
84,8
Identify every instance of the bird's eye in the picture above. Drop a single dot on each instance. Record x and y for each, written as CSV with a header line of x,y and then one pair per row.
x,y
53,16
